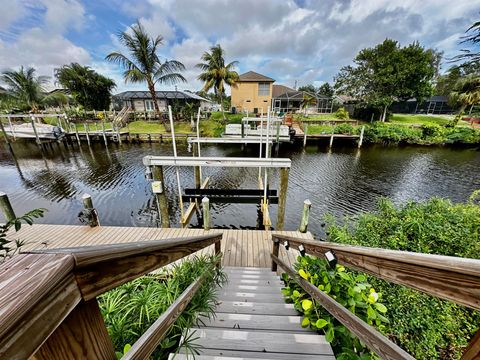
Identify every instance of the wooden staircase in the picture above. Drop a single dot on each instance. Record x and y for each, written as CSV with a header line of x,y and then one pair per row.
x,y
253,322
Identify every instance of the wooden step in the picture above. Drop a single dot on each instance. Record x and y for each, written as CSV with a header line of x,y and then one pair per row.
x,y
246,268
233,287
257,282
253,276
255,322
249,297
244,355
259,341
242,307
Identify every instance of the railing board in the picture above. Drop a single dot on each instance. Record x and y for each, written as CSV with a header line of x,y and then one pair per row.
x,y
37,292
472,351
149,341
378,343
451,278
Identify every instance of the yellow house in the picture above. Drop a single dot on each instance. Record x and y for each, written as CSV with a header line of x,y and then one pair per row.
x,y
252,93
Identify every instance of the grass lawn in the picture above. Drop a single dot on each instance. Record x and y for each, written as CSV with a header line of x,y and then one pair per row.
x,y
317,117
319,129
407,119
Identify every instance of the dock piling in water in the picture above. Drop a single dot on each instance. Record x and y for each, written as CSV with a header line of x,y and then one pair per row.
x,y
88,205
206,213
6,207
360,141
305,215
162,202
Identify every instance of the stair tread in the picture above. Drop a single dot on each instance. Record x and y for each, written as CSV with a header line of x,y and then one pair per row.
x,y
266,308
266,342
249,297
241,355
255,322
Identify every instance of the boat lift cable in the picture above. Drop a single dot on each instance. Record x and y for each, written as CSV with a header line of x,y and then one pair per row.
x,y
175,157
198,143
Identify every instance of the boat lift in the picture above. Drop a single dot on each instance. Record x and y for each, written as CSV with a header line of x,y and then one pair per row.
x,y
263,195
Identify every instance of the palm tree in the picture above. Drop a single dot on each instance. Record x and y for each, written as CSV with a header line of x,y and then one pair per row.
x,y
144,64
215,74
25,87
308,99
466,92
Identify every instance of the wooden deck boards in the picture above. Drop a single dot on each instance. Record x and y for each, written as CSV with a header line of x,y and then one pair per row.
x,y
241,248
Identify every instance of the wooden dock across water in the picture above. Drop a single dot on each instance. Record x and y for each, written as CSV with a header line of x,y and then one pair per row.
x,y
240,248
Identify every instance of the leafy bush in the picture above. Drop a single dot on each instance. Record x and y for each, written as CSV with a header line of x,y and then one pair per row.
x,y
350,290
129,310
9,247
391,134
341,113
344,129
463,135
433,132
423,325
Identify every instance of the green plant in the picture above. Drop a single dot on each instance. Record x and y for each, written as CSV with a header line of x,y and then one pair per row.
x,y
344,129
433,131
349,289
131,308
425,326
341,113
9,247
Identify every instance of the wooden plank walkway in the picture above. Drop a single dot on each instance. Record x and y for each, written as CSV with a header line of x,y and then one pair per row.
x,y
252,321
243,248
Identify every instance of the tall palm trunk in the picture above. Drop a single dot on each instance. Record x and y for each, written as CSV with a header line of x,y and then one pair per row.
x,y
221,106
151,88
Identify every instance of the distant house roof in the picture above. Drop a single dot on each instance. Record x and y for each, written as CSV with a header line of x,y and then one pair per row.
x,y
278,90
255,77
168,94
285,92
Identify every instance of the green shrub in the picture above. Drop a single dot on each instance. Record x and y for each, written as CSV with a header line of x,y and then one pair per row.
x,y
342,114
344,129
425,326
463,135
392,134
433,132
129,310
348,288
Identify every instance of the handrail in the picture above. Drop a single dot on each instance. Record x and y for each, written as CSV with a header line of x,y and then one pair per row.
x,y
380,344
41,290
151,338
452,278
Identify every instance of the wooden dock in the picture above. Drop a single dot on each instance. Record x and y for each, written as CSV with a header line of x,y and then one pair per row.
x,y
240,248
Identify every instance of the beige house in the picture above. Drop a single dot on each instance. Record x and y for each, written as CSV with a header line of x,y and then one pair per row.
x,y
252,93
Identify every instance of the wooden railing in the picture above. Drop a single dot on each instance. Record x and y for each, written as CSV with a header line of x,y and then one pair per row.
x,y
452,278
48,306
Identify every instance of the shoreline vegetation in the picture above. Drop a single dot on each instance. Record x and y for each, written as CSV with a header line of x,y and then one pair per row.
x,y
400,129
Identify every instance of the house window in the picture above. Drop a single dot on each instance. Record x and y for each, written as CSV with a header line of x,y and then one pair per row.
x,y
264,89
149,105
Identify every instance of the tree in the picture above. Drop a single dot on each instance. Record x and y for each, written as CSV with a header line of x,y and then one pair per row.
x,y
144,64
88,88
326,90
472,37
447,82
215,74
24,87
388,72
467,92
308,88
308,99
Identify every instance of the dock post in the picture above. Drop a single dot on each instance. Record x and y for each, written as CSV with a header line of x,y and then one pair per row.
x,y
85,125
6,207
119,136
88,205
305,215
282,198
331,140
162,202
206,213
76,134
39,143
104,135
12,128
242,126
360,141
305,131
5,133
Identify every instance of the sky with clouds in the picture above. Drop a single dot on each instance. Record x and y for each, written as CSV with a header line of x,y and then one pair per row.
x,y
303,40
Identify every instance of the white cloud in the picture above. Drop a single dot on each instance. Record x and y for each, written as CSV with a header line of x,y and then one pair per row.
x,y
9,14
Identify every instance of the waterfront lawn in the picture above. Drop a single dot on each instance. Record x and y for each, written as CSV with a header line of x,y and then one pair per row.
x,y
319,117
407,119
156,127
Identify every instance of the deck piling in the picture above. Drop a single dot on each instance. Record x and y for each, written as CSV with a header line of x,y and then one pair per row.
x,y
305,215
88,205
282,198
360,141
6,207
206,213
162,202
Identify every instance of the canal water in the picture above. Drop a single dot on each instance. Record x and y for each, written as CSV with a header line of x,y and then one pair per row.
x,y
343,182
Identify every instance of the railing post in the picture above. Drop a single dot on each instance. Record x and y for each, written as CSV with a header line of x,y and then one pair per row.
x,y
6,207
275,252
88,205
305,214
206,213
82,335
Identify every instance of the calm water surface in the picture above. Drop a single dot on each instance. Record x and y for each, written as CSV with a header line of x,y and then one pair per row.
x,y
345,181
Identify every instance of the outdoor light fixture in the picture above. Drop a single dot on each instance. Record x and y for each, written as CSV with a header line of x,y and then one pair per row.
x,y
286,244
331,258
301,248
148,173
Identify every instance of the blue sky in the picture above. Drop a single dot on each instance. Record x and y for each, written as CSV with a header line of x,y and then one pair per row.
x,y
299,41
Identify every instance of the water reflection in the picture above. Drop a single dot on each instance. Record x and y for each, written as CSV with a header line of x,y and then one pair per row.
x,y
342,181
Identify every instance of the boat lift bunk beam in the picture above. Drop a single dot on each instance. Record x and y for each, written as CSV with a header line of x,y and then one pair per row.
x,y
269,163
